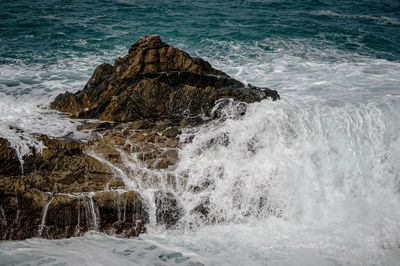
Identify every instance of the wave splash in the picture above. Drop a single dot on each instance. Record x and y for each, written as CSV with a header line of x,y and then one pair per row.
x,y
297,161
290,182
313,178
296,175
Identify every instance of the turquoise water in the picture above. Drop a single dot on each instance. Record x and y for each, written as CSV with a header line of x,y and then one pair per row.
x,y
62,41
326,157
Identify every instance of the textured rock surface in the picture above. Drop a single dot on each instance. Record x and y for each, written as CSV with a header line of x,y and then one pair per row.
x,y
9,163
151,95
66,191
155,80
27,212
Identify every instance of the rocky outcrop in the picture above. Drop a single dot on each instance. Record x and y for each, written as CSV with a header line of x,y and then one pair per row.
x,y
155,80
149,97
27,212
68,189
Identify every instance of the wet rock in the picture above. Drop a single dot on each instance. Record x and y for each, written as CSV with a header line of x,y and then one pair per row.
x,y
121,213
203,209
206,184
155,80
21,209
172,132
62,168
65,217
168,209
95,126
228,108
151,95
221,140
9,162
168,158
30,213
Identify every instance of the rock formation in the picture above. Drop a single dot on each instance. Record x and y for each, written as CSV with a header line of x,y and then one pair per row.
x,y
155,80
72,186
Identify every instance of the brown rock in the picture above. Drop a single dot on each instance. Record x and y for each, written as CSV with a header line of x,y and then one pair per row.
x,y
156,91
9,162
21,209
63,174
65,217
121,213
155,80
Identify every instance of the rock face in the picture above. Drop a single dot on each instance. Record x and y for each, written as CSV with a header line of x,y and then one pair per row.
x,y
9,164
68,189
73,186
155,80
65,192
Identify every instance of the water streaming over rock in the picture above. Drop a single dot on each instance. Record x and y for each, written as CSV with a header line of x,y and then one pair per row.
x,y
44,215
312,179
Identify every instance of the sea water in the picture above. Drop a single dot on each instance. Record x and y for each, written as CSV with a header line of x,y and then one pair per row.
x,y
312,179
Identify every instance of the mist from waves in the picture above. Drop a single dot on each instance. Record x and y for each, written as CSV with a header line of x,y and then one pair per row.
x,y
292,182
310,179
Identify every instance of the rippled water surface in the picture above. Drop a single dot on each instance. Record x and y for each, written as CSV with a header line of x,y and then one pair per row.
x,y
324,161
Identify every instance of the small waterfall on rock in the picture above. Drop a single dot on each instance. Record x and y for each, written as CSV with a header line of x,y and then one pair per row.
x,y
78,224
289,162
136,176
3,217
91,213
312,175
44,215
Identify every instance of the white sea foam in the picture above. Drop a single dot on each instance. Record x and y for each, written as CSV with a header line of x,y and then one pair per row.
x,y
311,179
23,117
26,91
292,182
311,176
306,68
377,19
316,173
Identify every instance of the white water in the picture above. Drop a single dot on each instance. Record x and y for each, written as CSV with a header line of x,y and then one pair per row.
x,y
312,179
23,117
44,215
27,89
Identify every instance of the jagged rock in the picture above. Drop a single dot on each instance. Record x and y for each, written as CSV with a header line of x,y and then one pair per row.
x,y
155,80
203,210
63,175
63,167
157,91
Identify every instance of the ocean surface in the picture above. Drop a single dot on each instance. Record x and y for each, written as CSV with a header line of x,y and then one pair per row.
x,y
325,159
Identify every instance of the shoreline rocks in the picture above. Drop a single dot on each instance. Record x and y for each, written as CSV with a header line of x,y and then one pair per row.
x,y
155,80
147,98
